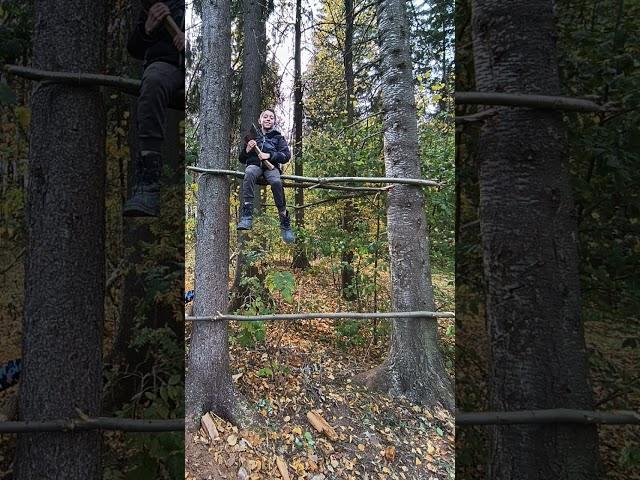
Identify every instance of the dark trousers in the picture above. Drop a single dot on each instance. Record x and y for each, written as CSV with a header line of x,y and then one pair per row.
x,y
251,175
160,83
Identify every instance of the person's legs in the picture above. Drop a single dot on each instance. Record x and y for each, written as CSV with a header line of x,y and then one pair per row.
x,y
160,82
251,175
273,178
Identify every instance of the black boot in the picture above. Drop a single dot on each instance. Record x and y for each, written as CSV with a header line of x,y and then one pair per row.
x,y
285,228
246,217
145,198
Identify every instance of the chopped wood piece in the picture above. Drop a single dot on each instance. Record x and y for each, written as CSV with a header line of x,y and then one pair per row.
x,y
282,468
321,425
209,427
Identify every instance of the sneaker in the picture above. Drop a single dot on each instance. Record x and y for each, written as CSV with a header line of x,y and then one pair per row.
x,y
145,198
285,228
246,217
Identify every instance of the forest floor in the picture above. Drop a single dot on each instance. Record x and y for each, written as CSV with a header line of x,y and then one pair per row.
x,y
306,366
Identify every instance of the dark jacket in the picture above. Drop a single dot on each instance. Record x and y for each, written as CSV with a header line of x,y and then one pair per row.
x,y
157,47
271,142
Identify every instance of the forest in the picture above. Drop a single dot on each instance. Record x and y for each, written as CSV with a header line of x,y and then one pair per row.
x,y
321,69
452,289
532,185
91,305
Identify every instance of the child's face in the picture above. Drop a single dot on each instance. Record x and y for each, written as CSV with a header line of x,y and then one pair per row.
x,y
267,120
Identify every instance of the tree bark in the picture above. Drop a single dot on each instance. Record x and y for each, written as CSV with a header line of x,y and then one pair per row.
x,y
300,259
414,365
209,386
254,59
64,283
529,243
347,273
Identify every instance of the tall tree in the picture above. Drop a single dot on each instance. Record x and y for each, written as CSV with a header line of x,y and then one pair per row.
x,y
529,235
62,336
348,214
209,386
254,60
414,366
253,63
148,304
300,259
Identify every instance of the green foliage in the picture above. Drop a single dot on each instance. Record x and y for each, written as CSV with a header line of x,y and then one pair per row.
x,y
437,142
283,282
249,334
349,333
161,395
630,456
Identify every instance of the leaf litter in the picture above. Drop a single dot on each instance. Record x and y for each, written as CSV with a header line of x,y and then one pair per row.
x,y
317,424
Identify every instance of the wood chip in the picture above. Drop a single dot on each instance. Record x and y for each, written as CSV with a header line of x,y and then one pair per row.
x,y
209,427
282,468
321,425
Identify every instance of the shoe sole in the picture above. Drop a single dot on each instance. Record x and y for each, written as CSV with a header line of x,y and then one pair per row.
x,y
139,210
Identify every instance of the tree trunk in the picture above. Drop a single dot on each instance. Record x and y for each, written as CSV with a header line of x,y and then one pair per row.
x,y
209,386
414,366
529,235
254,58
348,214
300,259
64,284
138,241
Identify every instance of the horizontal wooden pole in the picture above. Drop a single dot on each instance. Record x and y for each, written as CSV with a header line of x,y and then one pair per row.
x,y
532,101
550,416
126,85
326,180
100,423
312,316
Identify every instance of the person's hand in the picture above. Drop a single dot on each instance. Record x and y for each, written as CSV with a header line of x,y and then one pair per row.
x,y
178,41
264,156
250,145
155,16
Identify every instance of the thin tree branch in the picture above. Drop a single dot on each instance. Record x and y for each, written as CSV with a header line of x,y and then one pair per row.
x,y
475,117
336,187
533,101
327,200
